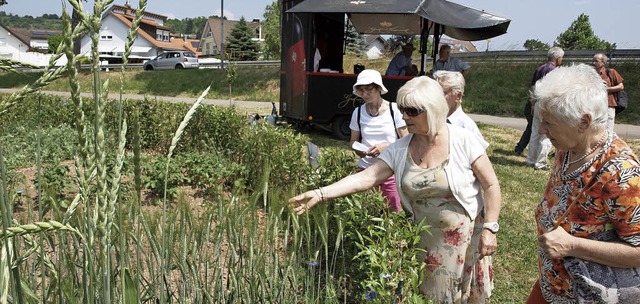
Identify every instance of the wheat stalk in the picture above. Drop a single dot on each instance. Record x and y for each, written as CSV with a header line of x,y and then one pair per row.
x,y
9,65
36,227
115,181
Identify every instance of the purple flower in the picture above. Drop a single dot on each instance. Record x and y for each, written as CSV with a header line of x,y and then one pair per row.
x,y
385,275
313,263
370,295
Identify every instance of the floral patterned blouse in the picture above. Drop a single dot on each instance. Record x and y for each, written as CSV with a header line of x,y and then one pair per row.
x,y
612,198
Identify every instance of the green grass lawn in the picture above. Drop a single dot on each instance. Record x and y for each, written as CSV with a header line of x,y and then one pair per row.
x,y
492,88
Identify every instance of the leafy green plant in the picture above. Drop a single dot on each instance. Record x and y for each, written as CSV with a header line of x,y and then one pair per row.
x,y
56,179
386,243
211,171
153,177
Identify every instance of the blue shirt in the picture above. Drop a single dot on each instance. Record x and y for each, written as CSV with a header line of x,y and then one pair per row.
x,y
453,64
397,64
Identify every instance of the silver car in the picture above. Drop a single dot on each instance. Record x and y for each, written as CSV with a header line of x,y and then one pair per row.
x,y
172,60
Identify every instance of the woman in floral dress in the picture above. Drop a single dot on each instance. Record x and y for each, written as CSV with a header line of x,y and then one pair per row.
x,y
445,178
593,188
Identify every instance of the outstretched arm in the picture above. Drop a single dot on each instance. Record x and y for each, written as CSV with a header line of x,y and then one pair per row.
x,y
363,180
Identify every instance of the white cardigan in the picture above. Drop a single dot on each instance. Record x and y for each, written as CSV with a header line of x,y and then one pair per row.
x,y
464,149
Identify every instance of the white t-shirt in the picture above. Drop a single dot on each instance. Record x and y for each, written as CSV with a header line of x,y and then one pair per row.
x,y
376,129
461,119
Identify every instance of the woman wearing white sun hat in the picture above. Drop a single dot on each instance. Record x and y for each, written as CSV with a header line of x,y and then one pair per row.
x,y
374,126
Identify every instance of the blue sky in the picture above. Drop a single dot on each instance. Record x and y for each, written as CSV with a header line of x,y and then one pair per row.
x,y
613,21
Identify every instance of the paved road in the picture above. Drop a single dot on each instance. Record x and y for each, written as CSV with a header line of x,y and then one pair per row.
x,y
624,130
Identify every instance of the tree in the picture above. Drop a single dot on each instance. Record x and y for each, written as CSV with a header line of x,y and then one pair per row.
x,y
580,36
354,41
535,45
54,41
271,31
3,2
240,45
394,42
188,26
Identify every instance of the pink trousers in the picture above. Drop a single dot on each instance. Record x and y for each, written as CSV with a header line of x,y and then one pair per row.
x,y
390,192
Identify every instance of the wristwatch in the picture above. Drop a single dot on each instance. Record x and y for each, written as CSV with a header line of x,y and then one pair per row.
x,y
491,226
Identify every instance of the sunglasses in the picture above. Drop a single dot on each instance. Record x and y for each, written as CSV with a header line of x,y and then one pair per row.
x,y
410,111
367,88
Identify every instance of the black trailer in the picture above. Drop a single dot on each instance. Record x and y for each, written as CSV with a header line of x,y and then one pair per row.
x,y
324,97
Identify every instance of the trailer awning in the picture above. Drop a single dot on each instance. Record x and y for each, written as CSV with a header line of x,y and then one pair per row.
x,y
402,17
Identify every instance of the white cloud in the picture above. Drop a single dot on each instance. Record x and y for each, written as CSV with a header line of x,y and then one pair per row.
x,y
229,14
170,15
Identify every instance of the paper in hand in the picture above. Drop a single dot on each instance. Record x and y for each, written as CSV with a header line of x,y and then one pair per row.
x,y
359,146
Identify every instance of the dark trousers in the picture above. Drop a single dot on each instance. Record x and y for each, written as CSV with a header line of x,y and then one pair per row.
x,y
524,139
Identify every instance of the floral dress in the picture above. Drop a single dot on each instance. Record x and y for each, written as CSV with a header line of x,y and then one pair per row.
x,y
453,272
610,200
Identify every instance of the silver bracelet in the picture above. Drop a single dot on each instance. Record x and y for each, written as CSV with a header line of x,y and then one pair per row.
x,y
322,197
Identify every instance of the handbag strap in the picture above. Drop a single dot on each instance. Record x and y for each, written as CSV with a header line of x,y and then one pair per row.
x,y
593,180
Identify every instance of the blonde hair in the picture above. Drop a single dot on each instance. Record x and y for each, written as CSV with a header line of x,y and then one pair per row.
x,y
426,94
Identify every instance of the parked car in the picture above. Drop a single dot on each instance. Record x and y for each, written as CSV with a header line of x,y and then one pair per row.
x,y
172,60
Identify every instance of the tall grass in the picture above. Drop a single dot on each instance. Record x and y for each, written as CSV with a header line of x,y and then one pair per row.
x,y
100,243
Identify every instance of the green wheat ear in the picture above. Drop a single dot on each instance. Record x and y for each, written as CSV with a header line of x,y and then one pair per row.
x,y
37,227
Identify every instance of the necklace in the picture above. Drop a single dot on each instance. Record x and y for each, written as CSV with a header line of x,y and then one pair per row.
x,y
370,110
590,151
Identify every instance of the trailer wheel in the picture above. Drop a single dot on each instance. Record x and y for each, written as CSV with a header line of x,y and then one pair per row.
x,y
340,127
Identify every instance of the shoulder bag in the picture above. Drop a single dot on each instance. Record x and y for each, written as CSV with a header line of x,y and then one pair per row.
x,y
596,283
622,99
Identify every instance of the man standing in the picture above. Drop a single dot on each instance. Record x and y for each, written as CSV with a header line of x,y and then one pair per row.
x,y
401,65
448,63
539,144
614,84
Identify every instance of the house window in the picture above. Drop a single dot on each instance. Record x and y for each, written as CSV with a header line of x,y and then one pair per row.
x,y
3,41
106,37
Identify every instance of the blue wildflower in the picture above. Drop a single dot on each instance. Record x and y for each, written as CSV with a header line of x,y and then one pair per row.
x,y
370,295
313,263
385,275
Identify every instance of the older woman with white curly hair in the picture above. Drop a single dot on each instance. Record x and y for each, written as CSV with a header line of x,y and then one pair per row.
x,y
445,178
592,192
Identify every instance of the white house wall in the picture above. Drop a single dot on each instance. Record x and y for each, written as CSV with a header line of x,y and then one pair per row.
x,y
39,44
375,49
14,49
118,31
10,46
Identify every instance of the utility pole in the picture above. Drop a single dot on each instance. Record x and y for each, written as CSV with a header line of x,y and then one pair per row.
x,y
222,34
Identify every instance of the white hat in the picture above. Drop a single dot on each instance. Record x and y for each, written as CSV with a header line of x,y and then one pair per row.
x,y
367,77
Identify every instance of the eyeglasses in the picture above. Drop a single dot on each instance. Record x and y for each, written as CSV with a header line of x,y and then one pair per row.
x,y
410,111
367,88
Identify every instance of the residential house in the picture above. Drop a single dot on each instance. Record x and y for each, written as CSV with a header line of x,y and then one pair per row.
x,y
152,36
25,45
458,46
374,46
210,42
